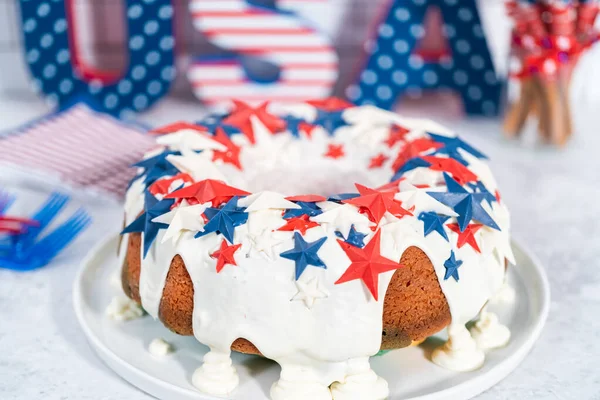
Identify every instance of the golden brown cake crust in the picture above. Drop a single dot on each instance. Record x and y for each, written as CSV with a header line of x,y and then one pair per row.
x,y
414,305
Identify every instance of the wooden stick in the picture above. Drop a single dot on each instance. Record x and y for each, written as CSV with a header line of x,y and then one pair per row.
x,y
519,110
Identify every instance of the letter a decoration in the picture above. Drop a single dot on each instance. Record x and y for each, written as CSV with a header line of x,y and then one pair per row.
x,y
393,67
51,52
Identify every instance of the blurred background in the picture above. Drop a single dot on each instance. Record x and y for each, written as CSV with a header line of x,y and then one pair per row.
x,y
551,190
349,25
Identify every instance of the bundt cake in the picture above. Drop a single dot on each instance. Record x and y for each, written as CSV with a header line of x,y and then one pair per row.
x,y
316,235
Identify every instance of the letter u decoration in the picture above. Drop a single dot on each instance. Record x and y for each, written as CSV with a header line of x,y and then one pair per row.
x,y
53,56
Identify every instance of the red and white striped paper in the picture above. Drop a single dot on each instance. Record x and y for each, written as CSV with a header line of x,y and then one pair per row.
x,y
80,146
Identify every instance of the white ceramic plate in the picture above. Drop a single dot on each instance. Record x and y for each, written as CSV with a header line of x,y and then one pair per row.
x,y
123,345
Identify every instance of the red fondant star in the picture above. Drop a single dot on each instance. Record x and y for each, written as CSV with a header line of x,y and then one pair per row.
x,y
162,186
397,134
300,224
367,264
498,198
229,156
240,118
468,236
376,203
377,161
307,128
330,104
335,151
414,149
207,190
177,126
225,255
458,171
307,198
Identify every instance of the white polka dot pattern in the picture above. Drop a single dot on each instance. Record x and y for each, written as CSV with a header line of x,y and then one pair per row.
x,y
394,68
151,55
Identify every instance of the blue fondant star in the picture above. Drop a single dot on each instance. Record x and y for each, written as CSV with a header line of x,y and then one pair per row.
x,y
411,164
451,146
338,198
156,167
306,208
330,120
451,266
355,238
294,124
467,205
304,253
224,220
434,223
152,209
479,187
213,121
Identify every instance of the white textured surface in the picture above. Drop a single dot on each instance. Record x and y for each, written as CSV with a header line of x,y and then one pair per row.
x,y
554,198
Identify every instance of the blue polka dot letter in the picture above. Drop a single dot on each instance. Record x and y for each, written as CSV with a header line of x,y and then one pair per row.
x,y
393,67
58,73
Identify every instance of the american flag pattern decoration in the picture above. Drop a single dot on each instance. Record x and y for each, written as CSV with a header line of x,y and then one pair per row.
x,y
306,59
80,146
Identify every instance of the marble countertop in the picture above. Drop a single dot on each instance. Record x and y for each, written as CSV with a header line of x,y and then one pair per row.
x,y
554,197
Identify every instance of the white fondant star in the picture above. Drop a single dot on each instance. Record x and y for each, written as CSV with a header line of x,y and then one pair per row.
x,y
189,139
424,176
497,243
198,166
341,217
264,243
412,196
260,220
309,292
266,200
182,219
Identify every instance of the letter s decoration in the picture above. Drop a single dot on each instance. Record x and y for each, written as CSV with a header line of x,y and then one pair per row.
x,y
51,52
304,61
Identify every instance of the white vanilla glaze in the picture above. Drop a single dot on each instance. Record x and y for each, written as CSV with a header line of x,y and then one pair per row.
x,y
319,332
460,352
122,308
488,332
159,347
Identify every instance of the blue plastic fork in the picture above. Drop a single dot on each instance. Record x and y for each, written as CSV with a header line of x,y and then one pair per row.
x,y
42,252
6,200
44,216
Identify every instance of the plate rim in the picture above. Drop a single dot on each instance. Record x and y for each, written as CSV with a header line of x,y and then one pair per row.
x,y
467,389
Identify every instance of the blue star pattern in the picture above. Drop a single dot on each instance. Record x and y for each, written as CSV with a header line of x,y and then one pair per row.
x,y
467,205
479,187
306,208
338,198
151,55
434,222
213,121
411,164
157,167
224,220
304,254
452,265
451,146
355,238
293,125
393,68
330,120
152,209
